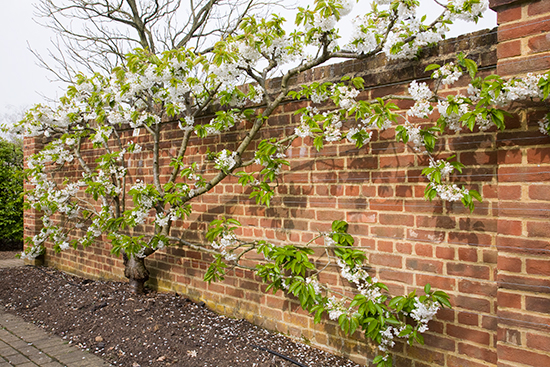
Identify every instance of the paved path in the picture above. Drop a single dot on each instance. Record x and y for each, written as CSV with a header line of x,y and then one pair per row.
x,y
11,263
25,345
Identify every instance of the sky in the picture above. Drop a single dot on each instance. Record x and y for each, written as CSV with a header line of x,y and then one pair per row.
x,y
24,83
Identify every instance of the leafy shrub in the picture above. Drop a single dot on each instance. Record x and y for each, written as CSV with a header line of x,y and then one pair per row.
x,y
11,195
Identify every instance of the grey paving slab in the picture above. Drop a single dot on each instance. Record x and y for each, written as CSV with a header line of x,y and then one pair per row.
x,y
18,358
6,352
23,344
11,263
52,364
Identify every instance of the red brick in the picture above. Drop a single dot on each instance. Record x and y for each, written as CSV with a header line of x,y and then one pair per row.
x,y
385,191
388,177
361,217
537,304
324,215
482,288
522,356
539,192
509,14
509,227
397,161
368,191
403,191
470,142
434,358
430,266
522,245
435,221
337,190
386,205
511,264
422,249
538,155
522,283
523,210
422,235
509,49
454,361
468,270
324,177
522,65
384,246
481,354
436,341
470,238
352,190
463,333
403,247
523,174
537,8
520,319
506,192
467,254
538,267
445,252
387,232
393,261
423,206
467,318
530,26
396,219
538,341
389,275
511,156
478,224
363,163
489,322
329,164
489,192
478,158
538,229
436,281
539,43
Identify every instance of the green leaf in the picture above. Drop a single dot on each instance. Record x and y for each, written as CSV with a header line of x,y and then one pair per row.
x,y
476,195
432,67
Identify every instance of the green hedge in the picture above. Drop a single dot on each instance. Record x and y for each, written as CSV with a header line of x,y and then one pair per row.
x,y
11,194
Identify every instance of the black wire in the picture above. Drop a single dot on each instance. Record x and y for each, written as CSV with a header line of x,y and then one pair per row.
x,y
278,355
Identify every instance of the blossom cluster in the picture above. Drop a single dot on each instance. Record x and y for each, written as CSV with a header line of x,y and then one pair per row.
x,y
224,245
424,312
225,160
448,192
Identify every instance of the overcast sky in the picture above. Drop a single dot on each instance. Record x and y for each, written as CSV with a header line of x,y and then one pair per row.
x,y
24,83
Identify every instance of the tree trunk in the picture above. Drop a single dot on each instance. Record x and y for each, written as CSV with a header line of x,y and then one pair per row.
x,y
136,272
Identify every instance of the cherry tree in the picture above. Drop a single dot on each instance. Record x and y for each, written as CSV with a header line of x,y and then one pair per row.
x,y
150,92
93,36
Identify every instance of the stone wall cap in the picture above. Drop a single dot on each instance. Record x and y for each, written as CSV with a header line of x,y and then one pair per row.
x,y
494,4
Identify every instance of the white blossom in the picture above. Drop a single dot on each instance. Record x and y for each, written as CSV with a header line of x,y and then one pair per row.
x,y
419,91
424,312
449,192
225,160
449,73
544,126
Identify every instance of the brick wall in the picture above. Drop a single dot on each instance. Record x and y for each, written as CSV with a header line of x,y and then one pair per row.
x,y
523,192
494,262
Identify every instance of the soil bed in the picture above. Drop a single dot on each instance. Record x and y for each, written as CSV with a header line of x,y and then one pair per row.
x,y
155,329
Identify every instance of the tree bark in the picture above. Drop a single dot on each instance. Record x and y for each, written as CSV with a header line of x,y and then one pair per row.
x,y
136,272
